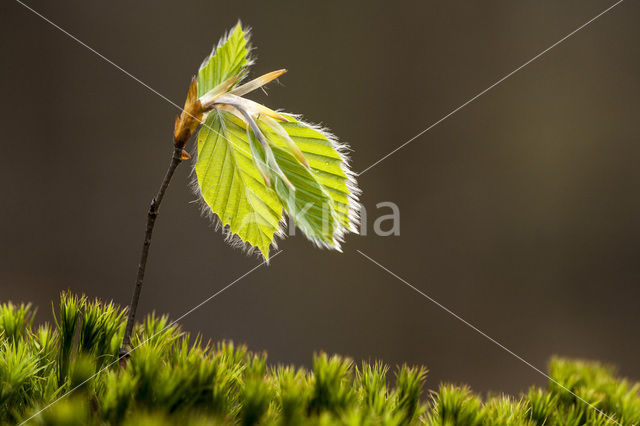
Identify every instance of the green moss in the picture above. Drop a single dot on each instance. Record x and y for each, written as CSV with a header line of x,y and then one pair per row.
x,y
173,379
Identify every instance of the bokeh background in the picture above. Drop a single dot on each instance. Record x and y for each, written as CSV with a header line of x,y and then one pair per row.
x,y
520,212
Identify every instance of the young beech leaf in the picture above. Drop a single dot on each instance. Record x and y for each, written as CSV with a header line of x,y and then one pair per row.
x,y
328,163
227,60
255,164
232,185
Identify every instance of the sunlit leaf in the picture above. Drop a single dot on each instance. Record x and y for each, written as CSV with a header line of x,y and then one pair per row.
x,y
254,162
228,59
311,204
329,166
231,184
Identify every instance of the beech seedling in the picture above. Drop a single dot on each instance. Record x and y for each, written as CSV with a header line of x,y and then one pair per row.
x,y
255,166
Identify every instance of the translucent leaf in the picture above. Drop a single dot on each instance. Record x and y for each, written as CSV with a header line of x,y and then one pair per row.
x,y
329,167
309,202
228,59
254,162
231,184
309,205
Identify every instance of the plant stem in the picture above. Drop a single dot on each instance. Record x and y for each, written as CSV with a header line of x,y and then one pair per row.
x,y
152,215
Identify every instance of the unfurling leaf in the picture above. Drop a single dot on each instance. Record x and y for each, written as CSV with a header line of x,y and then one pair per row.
x,y
227,60
255,164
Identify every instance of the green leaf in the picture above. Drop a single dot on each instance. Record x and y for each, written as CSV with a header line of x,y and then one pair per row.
x,y
311,203
231,184
329,167
253,162
229,58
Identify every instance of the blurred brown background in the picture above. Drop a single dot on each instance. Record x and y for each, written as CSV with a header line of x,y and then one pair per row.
x,y
520,212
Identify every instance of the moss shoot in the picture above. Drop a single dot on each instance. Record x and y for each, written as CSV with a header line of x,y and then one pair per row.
x,y
174,379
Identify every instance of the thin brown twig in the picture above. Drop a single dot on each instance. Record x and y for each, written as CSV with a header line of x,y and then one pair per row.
x,y
152,215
